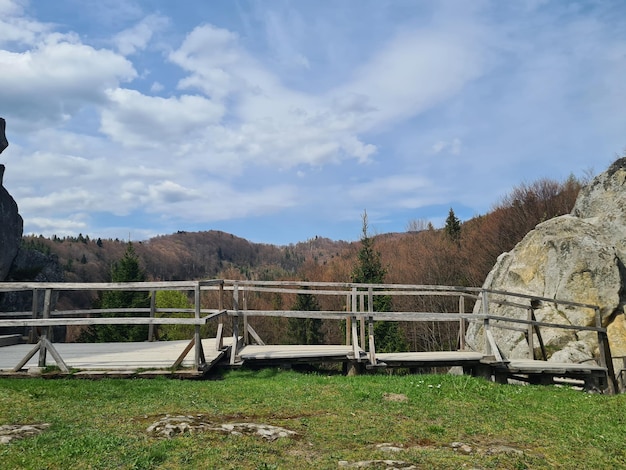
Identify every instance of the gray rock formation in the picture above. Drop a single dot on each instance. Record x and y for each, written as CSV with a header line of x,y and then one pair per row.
x,y
11,226
578,257
4,143
31,265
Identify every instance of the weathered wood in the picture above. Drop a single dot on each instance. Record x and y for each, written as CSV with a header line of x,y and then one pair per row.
x,y
48,322
255,335
43,339
530,334
356,310
183,355
235,347
152,314
48,346
462,325
219,339
362,319
27,358
547,325
355,340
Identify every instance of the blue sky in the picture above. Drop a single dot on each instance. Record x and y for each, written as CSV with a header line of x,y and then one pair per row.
x,y
279,121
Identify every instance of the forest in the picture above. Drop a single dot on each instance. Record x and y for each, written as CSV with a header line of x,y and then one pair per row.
x,y
459,254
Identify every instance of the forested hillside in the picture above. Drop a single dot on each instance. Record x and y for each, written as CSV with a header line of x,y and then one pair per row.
x,y
461,253
458,254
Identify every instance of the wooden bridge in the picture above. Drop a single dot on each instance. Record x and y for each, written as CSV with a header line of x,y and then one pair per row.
x,y
221,332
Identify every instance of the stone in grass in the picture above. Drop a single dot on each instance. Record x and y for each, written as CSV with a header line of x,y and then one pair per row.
x,y
461,448
388,447
170,426
8,432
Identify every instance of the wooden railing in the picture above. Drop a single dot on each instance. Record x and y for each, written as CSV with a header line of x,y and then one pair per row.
x,y
44,317
355,308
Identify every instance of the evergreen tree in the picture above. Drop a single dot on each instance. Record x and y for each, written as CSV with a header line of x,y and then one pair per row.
x,y
126,269
453,226
369,270
305,330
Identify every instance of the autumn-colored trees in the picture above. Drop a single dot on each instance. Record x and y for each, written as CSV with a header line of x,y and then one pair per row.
x,y
460,253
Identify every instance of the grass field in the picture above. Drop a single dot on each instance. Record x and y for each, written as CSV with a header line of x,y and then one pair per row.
x,y
102,424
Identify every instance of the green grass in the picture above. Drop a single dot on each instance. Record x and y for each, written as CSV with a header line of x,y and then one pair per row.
x,y
102,424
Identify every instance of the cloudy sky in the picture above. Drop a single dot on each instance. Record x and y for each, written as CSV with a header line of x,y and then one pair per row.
x,y
281,120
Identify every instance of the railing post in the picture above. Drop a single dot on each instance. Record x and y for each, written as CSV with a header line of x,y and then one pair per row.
x,y
531,333
32,334
219,341
234,347
461,323
490,343
246,336
362,318
45,330
605,354
152,314
370,309
199,352
354,324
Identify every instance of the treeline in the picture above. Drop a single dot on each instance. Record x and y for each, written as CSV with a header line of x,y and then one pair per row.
x,y
461,253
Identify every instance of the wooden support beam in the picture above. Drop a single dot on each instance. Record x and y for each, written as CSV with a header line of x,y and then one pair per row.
x,y
152,314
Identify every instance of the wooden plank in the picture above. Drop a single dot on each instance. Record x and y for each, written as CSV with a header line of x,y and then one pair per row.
x,y
152,314
27,358
183,354
355,340
253,352
48,322
255,335
219,341
43,340
493,346
547,325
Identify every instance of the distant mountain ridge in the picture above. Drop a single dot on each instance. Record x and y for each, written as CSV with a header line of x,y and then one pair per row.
x,y
182,255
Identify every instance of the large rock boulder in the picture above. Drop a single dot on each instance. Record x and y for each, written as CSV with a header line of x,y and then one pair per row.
x,y
579,258
603,203
11,226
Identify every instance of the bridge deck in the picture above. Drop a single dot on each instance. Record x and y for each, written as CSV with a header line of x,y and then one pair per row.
x,y
281,354
126,357
430,359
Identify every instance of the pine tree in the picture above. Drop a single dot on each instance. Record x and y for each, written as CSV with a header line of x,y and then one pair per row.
x,y
369,270
126,269
453,226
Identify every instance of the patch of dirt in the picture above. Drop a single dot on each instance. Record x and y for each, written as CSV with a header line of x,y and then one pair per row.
x,y
397,397
8,432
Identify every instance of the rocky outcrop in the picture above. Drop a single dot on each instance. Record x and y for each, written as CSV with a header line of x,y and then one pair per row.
x,y
31,265
11,226
578,257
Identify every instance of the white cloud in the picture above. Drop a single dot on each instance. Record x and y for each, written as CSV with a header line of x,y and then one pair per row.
x,y
57,226
135,39
364,111
58,77
452,147
137,120
413,72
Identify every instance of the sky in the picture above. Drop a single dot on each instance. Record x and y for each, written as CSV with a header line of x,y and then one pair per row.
x,y
279,121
